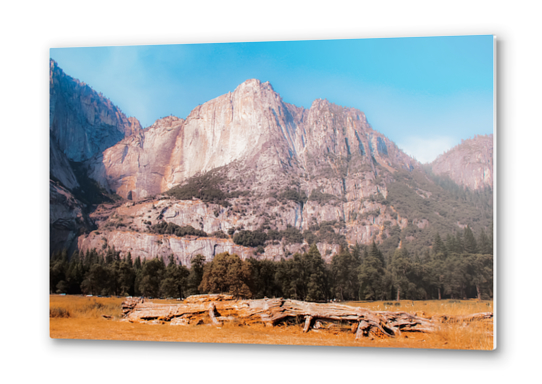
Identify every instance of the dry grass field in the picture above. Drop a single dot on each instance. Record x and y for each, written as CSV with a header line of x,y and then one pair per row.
x,y
78,317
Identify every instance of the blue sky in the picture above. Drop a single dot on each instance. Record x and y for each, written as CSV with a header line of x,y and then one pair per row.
x,y
424,93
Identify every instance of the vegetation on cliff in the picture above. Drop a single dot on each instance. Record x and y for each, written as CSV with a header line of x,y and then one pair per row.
x,y
165,228
205,187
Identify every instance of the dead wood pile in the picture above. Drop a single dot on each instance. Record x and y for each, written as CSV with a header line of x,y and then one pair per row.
x,y
220,309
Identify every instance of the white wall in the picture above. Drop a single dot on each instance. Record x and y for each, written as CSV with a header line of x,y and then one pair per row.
x,y
29,30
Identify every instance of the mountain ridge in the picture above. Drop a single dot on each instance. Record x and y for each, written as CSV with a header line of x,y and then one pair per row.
x,y
250,122
82,121
248,161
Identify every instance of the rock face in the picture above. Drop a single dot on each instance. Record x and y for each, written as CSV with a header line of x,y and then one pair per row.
x,y
263,146
135,167
252,127
125,227
469,164
60,168
67,218
318,175
83,123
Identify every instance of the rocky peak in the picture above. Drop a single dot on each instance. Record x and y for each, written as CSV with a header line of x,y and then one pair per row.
x,y
166,122
255,84
133,126
83,122
253,128
469,164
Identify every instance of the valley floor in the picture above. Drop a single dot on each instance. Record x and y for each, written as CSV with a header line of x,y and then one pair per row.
x,y
78,317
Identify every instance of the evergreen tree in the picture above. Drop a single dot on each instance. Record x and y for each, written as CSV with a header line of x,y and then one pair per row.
x,y
138,266
435,276
357,253
344,274
175,279
483,243
375,252
451,244
151,274
75,274
371,274
469,242
400,272
96,281
195,275
57,272
128,259
126,277
264,272
480,271
317,284
285,277
439,249
459,242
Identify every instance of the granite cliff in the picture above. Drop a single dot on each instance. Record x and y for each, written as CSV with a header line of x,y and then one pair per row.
x,y
253,128
82,124
248,161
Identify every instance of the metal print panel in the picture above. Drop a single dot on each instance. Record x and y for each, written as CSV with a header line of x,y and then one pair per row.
x,y
332,192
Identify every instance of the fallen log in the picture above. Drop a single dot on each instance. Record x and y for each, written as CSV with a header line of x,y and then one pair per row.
x,y
219,309
464,318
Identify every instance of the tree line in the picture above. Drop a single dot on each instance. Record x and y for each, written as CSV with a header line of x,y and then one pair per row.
x,y
459,266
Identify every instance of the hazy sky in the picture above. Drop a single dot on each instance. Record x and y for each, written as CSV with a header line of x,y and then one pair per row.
x,y
425,93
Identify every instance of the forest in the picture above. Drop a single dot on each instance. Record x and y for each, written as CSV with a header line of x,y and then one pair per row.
x,y
458,266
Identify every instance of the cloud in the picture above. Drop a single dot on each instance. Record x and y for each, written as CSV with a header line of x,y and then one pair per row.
x,y
425,149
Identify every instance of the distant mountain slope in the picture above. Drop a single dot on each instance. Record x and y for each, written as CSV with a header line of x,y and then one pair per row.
x,y
469,164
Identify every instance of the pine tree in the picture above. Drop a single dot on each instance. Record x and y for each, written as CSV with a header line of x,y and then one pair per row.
x,y
483,243
195,275
459,242
137,263
435,276
375,252
126,277
400,268
439,249
317,284
469,242
371,274
174,282
344,276
451,244
151,274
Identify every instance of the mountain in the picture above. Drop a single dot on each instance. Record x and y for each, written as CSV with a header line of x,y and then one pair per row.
x,y
248,173
82,124
469,164
253,128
